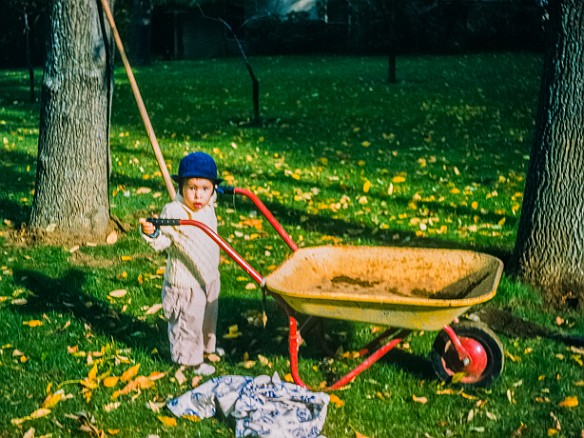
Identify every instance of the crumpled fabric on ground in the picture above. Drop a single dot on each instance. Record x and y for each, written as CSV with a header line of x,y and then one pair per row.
x,y
263,406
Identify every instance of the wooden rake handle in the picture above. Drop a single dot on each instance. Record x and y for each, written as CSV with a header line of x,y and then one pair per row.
x,y
139,101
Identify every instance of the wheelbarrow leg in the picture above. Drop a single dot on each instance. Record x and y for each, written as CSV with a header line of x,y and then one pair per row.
x,y
294,343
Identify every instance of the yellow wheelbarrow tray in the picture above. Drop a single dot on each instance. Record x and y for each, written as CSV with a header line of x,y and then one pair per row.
x,y
401,288
412,288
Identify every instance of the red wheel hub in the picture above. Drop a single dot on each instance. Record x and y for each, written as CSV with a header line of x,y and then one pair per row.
x,y
473,372
478,357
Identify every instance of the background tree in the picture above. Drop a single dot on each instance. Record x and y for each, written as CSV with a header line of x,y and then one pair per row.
x,y
549,251
71,194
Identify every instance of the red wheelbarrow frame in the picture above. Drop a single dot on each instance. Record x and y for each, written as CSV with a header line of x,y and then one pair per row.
x,y
294,337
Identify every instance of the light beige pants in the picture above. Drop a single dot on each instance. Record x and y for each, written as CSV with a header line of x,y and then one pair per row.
x,y
192,320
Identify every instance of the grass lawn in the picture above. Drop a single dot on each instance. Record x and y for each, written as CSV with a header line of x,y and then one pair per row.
x,y
342,157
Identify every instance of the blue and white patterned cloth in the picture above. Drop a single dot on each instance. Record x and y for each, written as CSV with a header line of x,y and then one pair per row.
x,y
263,406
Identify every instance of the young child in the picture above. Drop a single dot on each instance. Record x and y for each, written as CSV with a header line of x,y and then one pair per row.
x,y
191,285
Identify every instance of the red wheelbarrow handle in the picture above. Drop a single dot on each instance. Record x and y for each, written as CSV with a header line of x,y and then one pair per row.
x,y
162,222
228,190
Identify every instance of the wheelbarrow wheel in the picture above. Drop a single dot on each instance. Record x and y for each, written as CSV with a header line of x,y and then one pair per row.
x,y
485,350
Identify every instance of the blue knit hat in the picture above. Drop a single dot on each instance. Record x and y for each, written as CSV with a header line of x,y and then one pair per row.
x,y
198,165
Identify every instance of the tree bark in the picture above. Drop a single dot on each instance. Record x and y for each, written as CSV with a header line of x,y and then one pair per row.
x,y
549,252
72,193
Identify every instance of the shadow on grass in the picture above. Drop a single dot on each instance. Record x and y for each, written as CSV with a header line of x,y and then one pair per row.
x,y
13,185
64,295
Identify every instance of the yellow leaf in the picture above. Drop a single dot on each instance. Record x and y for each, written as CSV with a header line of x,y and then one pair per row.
x,y
156,375
454,190
33,323
398,179
250,286
360,435
474,205
118,293
92,373
195,381
52,400
551,431
233,332
192,418
213,358
167,421
288,378
110,382
569,402
126,258
366,186
365,144
42,412
130,373
336,401
249,364
155,308
422,400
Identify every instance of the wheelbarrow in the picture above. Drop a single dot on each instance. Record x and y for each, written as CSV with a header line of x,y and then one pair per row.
x,y
404,289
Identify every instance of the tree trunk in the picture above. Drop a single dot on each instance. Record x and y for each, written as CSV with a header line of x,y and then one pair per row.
x,y
71,194
549,252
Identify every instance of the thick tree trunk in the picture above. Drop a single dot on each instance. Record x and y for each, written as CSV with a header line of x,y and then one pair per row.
x,y
71,194
549,252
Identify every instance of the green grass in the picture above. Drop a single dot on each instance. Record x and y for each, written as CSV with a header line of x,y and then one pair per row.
x,y
443,154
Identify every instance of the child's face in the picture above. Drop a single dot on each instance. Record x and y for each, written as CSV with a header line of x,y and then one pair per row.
x,y
197,192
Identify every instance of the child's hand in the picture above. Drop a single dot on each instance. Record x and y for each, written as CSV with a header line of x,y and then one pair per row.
x,y
147,227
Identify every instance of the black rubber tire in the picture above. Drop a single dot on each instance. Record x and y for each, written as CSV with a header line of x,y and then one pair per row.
x,y
446,363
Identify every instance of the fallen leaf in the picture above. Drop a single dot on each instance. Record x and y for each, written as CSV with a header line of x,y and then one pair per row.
x,y
336,401
110,382
214,358
33,323
156,375
118,293
422,400
367,186
52,400
196,380
153,309
111,238
233,332
111,406
130,373
42,412
192,418
167,421
179,376
249,364
569,402
92,373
